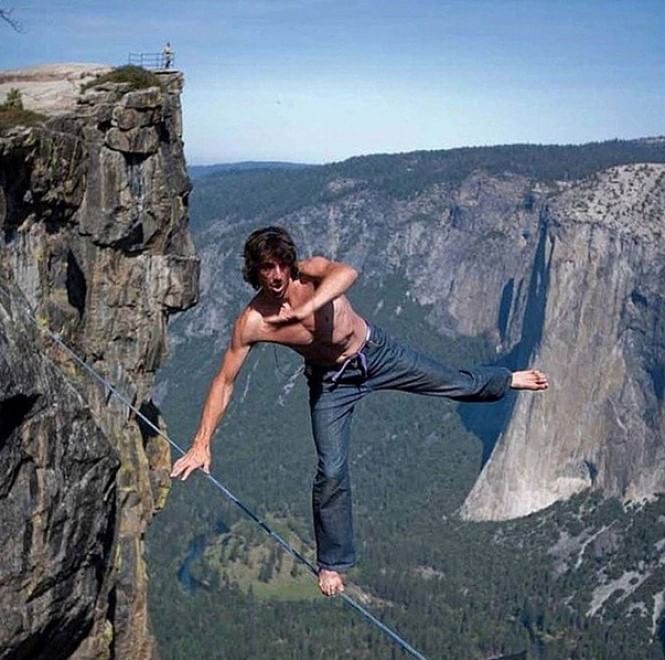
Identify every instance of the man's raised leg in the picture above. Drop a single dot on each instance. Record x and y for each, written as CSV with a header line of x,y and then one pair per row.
x,y
395,366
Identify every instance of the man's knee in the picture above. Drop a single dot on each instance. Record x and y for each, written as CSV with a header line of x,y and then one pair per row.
x,y
333,465
331,476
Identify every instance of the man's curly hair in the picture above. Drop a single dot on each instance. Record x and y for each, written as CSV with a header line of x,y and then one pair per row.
x,y
269,242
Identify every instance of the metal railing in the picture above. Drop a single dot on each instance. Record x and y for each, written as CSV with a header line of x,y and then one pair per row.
x,y
153,60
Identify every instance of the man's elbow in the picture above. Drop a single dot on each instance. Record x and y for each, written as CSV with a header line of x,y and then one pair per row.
x,y
223,381
352,273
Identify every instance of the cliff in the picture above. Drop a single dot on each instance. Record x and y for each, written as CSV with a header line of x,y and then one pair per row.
x,y
598,283
94,239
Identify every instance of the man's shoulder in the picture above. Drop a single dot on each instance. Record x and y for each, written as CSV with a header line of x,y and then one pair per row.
x,y
314,269
249,321
256,310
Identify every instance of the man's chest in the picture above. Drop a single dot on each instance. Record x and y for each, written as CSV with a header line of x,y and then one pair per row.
x,y
315,328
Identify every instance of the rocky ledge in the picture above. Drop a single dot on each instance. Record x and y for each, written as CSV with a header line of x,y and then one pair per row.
x,y
94,240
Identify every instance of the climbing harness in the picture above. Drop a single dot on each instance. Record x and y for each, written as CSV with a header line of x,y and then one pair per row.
x,y
402,643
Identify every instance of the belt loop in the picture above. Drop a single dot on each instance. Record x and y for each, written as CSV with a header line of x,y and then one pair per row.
x,y
362,359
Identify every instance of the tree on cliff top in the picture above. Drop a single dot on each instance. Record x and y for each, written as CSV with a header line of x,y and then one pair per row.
x,y
6,15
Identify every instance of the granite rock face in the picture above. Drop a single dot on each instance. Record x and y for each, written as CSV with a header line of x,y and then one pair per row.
x,y
94,239
57,500
602,341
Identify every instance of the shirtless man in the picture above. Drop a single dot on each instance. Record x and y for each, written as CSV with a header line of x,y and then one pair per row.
x,y
301,304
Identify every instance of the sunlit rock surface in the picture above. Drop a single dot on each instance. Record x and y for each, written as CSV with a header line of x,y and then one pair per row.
x,y
51,88
600,275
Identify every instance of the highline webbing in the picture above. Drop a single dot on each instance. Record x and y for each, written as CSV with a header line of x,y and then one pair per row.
x,y
395,637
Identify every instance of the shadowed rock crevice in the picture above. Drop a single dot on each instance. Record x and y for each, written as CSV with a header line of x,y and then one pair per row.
x,y
57,641
487,425
657,373
75,284
505,306
14,198
150,411
135,174
132,242
534,312
661,634
13,412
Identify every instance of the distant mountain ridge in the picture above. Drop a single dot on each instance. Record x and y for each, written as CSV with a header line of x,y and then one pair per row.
x,y
270,194
197,171
540,160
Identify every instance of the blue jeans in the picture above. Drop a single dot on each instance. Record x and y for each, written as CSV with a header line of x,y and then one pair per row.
x,y
386,365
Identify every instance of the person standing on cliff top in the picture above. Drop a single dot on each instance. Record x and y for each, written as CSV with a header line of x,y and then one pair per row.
x,y
167,55
301,304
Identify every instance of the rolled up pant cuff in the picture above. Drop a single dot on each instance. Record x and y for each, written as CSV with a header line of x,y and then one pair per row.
x,y
338,568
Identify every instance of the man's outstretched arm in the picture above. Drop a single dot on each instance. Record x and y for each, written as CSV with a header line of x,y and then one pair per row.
x,y
219,396
332,279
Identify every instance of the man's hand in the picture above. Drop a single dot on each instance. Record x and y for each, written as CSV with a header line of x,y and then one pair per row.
x,y
198,456
290,315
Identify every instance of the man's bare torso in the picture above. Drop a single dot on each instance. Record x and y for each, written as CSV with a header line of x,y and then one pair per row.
x,y
327,337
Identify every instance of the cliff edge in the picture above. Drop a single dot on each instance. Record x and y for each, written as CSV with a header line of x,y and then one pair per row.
x,y
94,242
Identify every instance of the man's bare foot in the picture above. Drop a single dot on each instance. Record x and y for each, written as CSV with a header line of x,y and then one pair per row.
x,y
330,582
531,379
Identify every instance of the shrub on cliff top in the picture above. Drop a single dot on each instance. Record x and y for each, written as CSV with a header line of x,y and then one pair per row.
x,y
13,114
14,99
136,76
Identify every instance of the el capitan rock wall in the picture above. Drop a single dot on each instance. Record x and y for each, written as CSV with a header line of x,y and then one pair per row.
x,y
602,343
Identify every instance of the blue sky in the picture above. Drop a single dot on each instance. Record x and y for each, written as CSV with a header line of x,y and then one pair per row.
x,y
322,80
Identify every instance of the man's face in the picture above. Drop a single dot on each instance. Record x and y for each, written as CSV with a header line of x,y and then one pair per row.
x,y
274,277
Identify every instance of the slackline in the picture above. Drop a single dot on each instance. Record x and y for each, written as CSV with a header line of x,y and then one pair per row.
x,y
395,637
